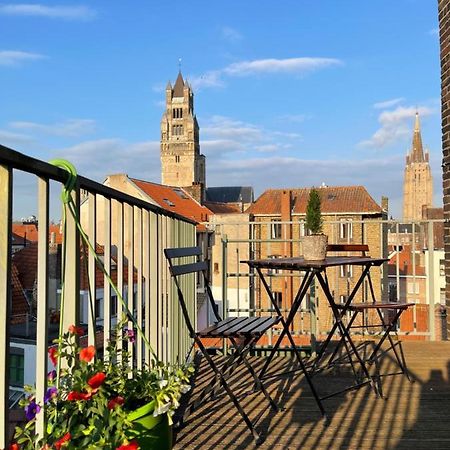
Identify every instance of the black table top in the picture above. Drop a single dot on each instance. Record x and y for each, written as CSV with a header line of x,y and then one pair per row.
x,y
299,263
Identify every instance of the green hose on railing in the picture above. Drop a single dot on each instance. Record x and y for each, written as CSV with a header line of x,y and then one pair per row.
x,y
68,202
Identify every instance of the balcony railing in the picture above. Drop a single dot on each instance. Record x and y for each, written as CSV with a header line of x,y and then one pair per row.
x,y
414,272
132,234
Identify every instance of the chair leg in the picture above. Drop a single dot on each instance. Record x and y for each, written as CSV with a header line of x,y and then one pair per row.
x,y
258,382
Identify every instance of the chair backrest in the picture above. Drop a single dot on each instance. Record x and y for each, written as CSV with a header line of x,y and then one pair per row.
x,y
178,268
363,248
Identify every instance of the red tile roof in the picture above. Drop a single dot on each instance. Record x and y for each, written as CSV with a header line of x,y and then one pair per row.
x,y
26,262
223,208
19,305
337,199
174,199
29,231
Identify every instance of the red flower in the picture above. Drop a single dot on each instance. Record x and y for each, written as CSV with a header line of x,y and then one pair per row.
x,y
87,353
14,446
116,401
76,330
63,441
74,396
97,380
133,445
53,355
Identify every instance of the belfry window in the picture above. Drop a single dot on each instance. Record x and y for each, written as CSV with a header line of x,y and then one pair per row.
x,y
177,113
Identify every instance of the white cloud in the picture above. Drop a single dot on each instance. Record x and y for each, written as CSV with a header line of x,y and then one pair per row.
x,y
52,12
297,66
225,128
16,57
395,125
9,138
388,103
231,35
98,158
68,128
272,65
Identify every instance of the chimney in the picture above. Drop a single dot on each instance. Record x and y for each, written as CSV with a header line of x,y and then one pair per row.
x,y
286,206
385,204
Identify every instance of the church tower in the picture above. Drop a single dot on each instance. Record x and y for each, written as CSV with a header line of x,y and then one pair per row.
x,y
182,164
418,182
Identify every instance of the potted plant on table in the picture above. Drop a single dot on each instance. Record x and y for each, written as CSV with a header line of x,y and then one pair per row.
x,y
104,404
314,245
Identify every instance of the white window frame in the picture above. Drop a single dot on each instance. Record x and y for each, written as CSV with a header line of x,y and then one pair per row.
x,y
343,225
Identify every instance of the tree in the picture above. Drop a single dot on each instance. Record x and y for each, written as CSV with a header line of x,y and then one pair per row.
x,y
314,221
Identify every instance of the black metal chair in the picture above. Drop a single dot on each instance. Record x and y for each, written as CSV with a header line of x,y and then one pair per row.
x,y
388,315
242,332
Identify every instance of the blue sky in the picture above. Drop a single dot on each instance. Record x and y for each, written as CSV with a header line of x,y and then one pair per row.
x,y
287,94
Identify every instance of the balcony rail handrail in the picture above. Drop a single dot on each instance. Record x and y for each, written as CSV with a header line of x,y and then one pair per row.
x,y
19,161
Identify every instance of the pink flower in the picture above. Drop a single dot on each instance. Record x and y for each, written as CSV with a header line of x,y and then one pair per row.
x,y
87,353
97,380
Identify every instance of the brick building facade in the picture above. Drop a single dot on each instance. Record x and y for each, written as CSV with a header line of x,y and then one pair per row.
x,y
444,31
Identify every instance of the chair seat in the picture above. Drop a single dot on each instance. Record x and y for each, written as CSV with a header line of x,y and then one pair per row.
x,y
239,327
376,305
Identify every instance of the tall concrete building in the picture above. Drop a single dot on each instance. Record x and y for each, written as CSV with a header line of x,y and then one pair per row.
x,y
182,165
418,182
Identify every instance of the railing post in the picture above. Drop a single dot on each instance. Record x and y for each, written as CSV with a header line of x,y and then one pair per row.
x,y
71,274
42,301
224,282
430,281
5,294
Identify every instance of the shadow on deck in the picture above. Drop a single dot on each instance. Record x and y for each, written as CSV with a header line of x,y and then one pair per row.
x,y
413,416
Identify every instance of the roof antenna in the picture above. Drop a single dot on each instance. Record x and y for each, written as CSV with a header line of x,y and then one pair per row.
x,y
179,64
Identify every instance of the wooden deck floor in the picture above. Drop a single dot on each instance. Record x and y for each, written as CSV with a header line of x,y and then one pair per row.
x,y
414,415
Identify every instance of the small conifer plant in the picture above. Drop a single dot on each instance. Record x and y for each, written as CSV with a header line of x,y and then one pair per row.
x,y
314,221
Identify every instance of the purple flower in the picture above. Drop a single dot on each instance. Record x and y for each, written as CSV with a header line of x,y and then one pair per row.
x,y
51,393
51,375
31,410
131,335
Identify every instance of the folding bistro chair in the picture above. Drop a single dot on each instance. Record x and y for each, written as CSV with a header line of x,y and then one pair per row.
x,y
387,322
242,332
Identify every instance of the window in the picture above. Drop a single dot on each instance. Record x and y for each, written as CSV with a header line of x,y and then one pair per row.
x,y
413,288
275,229
442,268
345,229
278,297
346,271
301,227
177,113
16,366
113,306
177,130
342,299
216,267
273,271
177,158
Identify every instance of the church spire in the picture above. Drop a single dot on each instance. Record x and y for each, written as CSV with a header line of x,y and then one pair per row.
x,y
178,88
416,154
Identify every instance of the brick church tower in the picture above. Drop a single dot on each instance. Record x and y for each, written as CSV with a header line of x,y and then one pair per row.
x,y
182,164
418,182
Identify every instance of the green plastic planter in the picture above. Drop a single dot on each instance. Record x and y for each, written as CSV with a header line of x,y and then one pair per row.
x,y
152,433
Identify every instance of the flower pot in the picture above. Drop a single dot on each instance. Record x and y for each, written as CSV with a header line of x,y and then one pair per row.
x,y
152,433
315,247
